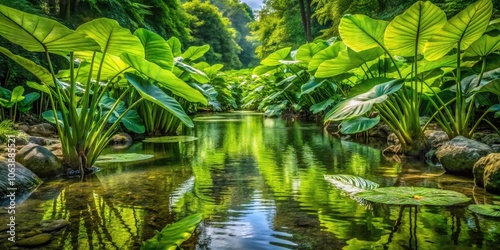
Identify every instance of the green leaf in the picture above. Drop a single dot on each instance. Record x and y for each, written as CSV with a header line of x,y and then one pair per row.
x,y
111,37
26,104
17,94
345,61
310,86
351,184
39,87
175,46
165,78
485,209
153,94
261,69
131,120
464,29
171,139
195,52
365,85
172,236
483,46
407,33
306,52
49,116
40,72
195,73
363,103
321,106
413,196
156,49
38,34
360,32
494,108
127,157
491,87
274,58
328,53
358,124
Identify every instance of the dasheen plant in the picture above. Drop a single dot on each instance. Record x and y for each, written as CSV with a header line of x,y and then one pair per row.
x,y
102,56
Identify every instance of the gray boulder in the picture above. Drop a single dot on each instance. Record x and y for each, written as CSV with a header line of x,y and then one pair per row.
x,y
37,240
39,160
24,180
435,138
43,129
487,172
121,139
460,154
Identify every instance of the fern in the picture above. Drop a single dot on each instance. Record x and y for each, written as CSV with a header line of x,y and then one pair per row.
x,y
6,129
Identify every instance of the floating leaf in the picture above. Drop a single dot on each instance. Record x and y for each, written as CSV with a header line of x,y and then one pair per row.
x,y
350,183
128,157
170,139
485,209
413,196
172,236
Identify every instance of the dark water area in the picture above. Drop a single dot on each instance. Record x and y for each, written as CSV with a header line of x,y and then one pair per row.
x,y
260,184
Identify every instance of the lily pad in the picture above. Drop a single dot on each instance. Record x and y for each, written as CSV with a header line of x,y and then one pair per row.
x,y
413,196
128,157
203,118
350,183
170,139
486,209
172,236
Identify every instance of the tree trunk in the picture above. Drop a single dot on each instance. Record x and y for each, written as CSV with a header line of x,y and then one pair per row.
x,y
51,4
304,17
308,20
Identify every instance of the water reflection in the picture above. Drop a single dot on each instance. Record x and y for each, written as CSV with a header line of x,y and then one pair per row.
x,y
260,184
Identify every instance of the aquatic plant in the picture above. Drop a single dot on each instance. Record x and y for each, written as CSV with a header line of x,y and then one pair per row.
x,y
172,236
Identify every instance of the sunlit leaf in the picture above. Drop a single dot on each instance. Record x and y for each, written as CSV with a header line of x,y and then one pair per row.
x,y
274,58
40,72
360,32
351,184
485,209
175,46
195,52
413,196
358,124
172,236
156,49
326,54
126,157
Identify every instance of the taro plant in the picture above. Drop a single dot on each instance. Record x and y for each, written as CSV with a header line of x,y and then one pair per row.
x,y
14,101
101,55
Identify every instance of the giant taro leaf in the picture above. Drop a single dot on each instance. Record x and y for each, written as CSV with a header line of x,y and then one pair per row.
x,y
463,29
306,52
274,58
156,49
326,54
165,78
40,72
175,46
131,120
360,32
195,52
155,95
358,124
485,209
172,236
363,103
346,60
407,34
413,196
40,34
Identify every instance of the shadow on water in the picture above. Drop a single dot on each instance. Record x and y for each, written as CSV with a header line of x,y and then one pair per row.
x,y
260,184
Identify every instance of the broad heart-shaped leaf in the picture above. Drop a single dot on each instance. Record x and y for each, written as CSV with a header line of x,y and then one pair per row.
x,y
350,183
306,52
321,106
262,69
311,85
485,209
17,94
165,78
175,46
195,73
365,85
345,61
40,72
155,95
112,38
110,68
491,87
39,34
127,157
274,58
26,104
413,196
464,29
195,52
360,32
132,121
358,124
172,236
49,116
483,46
328,53
408,32
156,48
363,103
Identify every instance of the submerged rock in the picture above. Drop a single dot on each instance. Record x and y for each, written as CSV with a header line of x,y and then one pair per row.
x,y
40,160
53,225
460,154
121,139
487,172
25,180
37,240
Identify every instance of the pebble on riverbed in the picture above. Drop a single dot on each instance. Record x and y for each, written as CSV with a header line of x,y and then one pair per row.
x,y
37,240
53,225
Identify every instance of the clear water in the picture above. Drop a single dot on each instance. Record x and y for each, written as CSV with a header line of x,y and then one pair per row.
x,y
260,183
